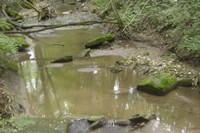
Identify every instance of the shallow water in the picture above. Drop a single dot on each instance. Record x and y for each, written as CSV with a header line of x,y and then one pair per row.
x,y
86,87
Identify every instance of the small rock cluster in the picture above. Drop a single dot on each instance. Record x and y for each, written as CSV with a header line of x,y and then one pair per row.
x,y
95,122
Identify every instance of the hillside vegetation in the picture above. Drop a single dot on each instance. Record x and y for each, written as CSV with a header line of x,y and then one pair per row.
x,y
176,21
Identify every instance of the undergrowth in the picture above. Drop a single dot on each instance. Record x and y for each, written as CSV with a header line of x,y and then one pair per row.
x,y
177,20
8,47
15,124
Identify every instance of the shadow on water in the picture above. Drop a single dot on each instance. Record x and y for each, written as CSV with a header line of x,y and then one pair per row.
x,y
86,87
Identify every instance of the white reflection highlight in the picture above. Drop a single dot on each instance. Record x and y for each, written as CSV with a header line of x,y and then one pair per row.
x,y
95,72
116,87
66,105
32,54
126,106
131,90
156,124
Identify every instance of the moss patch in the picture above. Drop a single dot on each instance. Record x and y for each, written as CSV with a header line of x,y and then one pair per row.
x,y
4,25
14,13
99,41
159,84
22,43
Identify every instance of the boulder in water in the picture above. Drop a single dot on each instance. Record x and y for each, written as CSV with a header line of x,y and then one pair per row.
x,y
158,84
63,59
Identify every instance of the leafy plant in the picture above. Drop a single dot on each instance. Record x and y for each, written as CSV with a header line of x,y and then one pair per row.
x,y
15,124
8,47
179,19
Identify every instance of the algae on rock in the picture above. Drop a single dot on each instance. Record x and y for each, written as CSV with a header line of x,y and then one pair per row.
x,y
158,84
99,41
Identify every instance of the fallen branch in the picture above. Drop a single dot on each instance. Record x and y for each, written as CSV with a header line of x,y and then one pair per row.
x,y
48,27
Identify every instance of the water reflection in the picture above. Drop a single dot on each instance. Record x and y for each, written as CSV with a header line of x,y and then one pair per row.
x,y
87,87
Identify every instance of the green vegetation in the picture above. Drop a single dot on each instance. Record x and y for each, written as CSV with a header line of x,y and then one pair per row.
x,y
15,124
159,84
4,25
99,41
8,47
177,21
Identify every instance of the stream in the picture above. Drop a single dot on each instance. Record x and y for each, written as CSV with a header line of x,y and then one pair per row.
x,y
86,86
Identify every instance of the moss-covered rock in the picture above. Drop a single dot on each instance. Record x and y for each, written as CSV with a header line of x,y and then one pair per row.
x,y
159,84
5,26
93,119
99,41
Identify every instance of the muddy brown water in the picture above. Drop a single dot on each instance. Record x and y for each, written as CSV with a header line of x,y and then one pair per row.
x,y
86,87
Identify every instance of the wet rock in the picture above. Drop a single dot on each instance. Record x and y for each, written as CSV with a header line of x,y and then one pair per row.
x,y
97,124
124,64
63,59
85,53
141,120
78,126
138,119
117,69
122,122
97,42
93,119
185,82
158,84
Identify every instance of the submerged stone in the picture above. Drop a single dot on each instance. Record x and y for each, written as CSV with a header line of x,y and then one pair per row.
x,y
63,59
97,124
93,119
159,84
122,122
117,69
99,41
138,119
85,53
185,82
124,64
141,120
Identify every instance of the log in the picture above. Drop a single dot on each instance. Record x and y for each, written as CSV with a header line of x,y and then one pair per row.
x,y
48,27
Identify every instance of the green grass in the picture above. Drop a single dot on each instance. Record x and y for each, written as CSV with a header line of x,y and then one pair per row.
x,y
179,20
